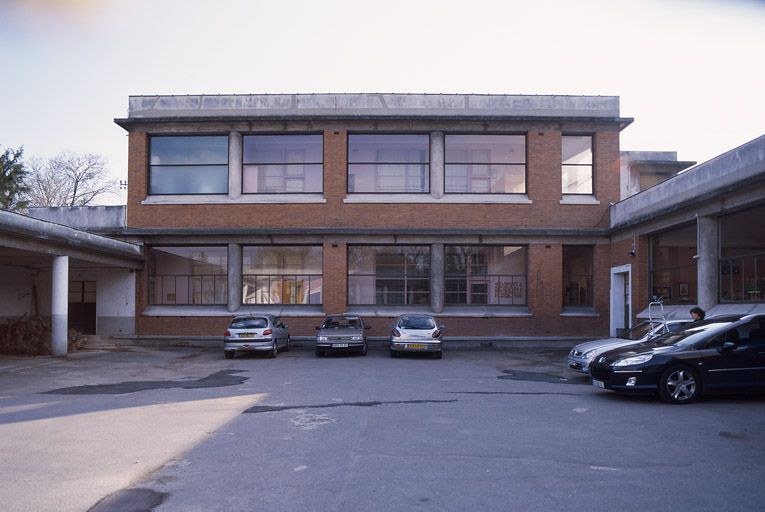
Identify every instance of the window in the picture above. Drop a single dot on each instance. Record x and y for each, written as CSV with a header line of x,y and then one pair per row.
x,y
388,163
673,267
282,275
577,164
485,275
742,265
188,165
577,276
389,275
188,275
485,164
282,164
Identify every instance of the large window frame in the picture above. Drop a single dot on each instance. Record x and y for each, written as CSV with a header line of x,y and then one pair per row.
x,y
673,267
204,283
742,257
470,281
481,165
390,279
184,167
578,276
389,167
580,162
283,285
293,161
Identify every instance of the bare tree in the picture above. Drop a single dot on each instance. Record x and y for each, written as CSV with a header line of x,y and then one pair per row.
x,y
68,179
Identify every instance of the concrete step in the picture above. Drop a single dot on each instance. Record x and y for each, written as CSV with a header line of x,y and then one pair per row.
x,y
96,341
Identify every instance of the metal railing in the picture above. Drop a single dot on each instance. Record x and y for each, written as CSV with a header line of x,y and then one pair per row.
x,y
188,289
490,289
282,289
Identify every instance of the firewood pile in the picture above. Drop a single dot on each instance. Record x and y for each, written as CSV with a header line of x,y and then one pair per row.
x,y
31,336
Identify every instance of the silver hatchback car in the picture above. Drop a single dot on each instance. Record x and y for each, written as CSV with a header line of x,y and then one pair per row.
x,y
416,333
256,333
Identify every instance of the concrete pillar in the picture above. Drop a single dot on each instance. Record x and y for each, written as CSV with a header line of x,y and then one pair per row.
x,y
437,164
59,306
234,277
234,165
437,280
707,263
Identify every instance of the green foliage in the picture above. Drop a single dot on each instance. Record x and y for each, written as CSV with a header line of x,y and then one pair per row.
x,y
13,188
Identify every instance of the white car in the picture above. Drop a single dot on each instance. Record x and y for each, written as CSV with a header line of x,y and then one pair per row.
x,y
582,355
416,333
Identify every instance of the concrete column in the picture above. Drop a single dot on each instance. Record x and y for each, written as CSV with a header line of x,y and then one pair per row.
x,y
707,263
234,277
234,165
437,280
437,164
59,306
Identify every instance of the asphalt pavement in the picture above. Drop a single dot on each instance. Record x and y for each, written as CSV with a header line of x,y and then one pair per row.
x,y
183,429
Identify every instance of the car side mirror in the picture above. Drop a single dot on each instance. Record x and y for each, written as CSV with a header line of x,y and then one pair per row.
x,y
318,328
367,327
728,346
441,327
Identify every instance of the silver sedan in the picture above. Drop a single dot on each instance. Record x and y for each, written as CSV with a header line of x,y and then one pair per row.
x,y
416,333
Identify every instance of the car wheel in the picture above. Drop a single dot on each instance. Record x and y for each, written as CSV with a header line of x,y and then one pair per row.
x,y
274,350
229,354
364,350
319,353
679,385
288,346
438,355
393,354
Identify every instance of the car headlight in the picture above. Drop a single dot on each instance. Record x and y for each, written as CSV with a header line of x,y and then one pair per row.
x,y
322,338
590,353
629,361
357,338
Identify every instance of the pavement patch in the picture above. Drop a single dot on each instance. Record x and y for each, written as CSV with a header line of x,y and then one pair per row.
x,y
216,380
277,408
130,500
538,377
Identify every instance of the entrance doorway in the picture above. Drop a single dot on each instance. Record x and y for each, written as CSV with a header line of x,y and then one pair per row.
x,y
82,306
621,299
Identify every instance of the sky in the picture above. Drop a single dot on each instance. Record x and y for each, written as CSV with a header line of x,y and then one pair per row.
x,y
690,72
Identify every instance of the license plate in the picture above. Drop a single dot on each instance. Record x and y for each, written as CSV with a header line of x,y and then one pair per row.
x,y
415,345
247,335
339,345
598,384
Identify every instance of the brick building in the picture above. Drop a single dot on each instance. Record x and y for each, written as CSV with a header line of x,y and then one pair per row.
x,y
491,212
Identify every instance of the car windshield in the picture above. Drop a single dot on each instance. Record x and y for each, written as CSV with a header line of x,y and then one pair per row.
x,y
416,322
249,323
697,332
639,331
342,322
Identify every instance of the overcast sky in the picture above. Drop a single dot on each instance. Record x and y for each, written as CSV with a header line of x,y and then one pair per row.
x,y
690,72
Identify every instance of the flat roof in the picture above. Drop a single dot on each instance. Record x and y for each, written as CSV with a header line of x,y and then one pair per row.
x,y
170,108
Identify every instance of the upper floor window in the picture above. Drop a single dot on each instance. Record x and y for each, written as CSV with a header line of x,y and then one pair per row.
x,y
188,164
577,276
485,164
282,164
577,164
388,163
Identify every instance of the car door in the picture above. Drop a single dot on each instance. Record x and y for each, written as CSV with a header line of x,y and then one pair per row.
x,y
736,358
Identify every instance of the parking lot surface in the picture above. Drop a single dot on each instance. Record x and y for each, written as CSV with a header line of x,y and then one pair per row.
x,y
186,430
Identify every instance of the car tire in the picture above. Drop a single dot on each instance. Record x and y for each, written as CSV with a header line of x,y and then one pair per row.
x,y
288,346
364,350
274,350
679,384
393,354
229,354
438,355
319,353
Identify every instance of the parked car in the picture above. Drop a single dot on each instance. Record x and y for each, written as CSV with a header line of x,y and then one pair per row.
x,y
580,357
721,354
342,333
416,333
256,333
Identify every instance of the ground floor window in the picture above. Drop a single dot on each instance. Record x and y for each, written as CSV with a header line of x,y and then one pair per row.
x,y
742,262
389,275
673,266
282,275
188,275
495,275
577,276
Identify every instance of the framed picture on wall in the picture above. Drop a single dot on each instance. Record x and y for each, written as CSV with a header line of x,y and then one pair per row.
x,y
662,292
682,290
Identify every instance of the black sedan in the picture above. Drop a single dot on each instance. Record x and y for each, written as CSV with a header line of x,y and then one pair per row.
x,y
720,354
